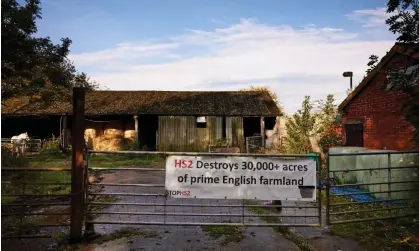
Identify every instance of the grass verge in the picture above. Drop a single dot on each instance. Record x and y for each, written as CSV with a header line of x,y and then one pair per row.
x,y
228,233
124,233
392,234
62,243
123,160
43,160
23,182
300,241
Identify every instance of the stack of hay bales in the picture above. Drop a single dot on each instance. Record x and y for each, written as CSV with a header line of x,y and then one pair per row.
x,y
112,138
129,132
93,130
108,143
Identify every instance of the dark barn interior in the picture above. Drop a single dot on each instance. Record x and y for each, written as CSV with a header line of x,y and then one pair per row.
x,y
148,126
251,126
37,127
270,123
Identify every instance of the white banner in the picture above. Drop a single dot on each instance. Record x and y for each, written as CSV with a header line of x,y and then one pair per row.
x,y
240,178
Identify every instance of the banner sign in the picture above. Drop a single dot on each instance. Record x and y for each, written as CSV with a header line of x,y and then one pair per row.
x,y
207,177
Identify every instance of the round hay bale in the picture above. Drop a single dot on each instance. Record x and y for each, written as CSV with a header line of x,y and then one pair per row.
x,y
108,143
89,135
114,128
129,134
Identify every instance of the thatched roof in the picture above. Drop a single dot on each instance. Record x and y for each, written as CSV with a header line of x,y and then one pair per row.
x,y
235,103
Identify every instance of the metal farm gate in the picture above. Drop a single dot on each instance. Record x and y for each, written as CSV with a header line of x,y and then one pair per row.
x,y
371,186
136,196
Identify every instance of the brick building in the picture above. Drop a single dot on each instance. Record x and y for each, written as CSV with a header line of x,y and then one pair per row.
x,y
371,115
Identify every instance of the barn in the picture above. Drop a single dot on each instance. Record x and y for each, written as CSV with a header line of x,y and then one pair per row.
x,y
372,115
150,120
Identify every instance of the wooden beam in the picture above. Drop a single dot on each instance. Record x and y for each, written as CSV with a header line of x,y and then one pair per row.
x,y
77,166
137,138
262,130
65,134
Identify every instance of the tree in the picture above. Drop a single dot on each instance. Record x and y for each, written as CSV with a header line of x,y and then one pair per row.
x,y
300,128
32,65
405,22
372,63
327,125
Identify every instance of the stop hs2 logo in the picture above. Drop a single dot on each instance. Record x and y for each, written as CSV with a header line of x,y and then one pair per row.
x,y
178,192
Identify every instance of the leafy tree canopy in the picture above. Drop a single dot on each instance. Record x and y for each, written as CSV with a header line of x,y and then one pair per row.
x,y
405,22
33,65
300,128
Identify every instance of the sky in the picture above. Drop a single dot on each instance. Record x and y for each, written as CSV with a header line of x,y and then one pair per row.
x,y
296,48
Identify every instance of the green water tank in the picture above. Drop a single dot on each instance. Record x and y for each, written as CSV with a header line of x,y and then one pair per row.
x,y
314,156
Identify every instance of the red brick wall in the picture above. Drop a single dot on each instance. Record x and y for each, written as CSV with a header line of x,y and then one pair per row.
x,y
380,112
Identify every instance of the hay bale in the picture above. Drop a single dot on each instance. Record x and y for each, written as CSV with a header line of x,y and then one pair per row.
x,y
89,135
129,134
108,143
114,129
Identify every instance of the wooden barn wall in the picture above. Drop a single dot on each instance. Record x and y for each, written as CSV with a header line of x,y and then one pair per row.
x,y
234,127
178,133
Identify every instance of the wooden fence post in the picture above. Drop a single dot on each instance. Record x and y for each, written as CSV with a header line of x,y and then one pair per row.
x,y
77,166
137,136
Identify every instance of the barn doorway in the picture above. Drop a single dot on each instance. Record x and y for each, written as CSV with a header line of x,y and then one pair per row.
x,y
37,127
251,126
354,135
148,126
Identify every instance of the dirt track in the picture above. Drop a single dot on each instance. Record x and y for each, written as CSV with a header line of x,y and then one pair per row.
x,y
178,237
154,237
194,238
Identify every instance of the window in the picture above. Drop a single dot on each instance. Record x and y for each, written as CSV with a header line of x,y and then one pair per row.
x,y
201,122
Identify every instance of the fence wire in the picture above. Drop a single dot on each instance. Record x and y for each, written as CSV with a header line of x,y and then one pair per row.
x,y
372,186
34,205
136,196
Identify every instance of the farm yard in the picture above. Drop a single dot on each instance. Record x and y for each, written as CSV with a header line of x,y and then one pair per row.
x,y
110,208
188,237
198,132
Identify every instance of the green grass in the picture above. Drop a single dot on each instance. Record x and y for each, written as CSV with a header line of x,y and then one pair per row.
x,y
17,178
51,158
229,233
123,160
394,234
293,237
44,160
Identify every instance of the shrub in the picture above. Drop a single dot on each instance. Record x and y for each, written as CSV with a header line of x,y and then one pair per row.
x,y
222,142
10,160
51,147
